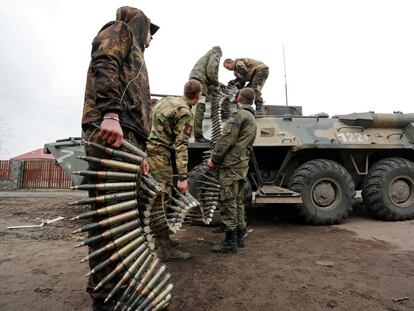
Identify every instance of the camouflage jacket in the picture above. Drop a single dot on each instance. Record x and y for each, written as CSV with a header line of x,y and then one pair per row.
x,y
207,67
246,68
171,130
117,79
232,150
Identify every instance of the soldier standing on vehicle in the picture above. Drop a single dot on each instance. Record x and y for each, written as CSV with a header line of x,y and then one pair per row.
x,y
231,155
206,72
170,132
120,106
252,71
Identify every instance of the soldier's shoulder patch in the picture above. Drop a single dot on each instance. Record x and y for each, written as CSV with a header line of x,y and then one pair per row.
x,y
188,129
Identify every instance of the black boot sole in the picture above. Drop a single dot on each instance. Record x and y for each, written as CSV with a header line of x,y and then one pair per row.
x,y
224,251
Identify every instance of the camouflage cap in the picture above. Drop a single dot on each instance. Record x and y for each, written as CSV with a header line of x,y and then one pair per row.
x,y
248,94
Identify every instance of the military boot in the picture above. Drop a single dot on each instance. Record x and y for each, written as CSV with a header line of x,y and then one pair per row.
x,y
258,110
171,242
218,230
98,304
175,243
229,245
167,252
241,234
201,139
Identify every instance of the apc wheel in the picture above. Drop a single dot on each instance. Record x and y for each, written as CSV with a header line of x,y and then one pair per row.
x,y
327,192
388,191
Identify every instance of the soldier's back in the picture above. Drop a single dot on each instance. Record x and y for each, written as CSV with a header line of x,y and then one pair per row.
x,y
248,126
167,111
199,71
244,121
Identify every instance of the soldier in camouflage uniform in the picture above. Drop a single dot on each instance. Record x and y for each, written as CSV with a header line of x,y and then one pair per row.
x,y
206,72
117,97
252,71
170,132
231,155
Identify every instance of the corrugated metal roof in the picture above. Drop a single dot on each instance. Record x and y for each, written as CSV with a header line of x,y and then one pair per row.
x,y
35,154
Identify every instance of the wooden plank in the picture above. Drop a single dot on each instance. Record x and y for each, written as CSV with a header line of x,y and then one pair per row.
x,y
45,174
4,170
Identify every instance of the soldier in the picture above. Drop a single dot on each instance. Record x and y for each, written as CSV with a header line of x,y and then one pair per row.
x,y
120,106
231,155
252,71
170,132
206,72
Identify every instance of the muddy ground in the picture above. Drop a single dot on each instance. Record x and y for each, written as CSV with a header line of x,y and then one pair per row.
x,y
361,265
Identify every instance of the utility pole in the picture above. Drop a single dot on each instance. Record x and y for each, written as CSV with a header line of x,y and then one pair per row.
x,y
284,66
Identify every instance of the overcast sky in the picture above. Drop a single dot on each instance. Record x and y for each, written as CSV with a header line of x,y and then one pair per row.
x,y
341,56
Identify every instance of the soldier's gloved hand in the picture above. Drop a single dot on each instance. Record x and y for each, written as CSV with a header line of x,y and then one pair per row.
x,y
232,82
239,84
182,185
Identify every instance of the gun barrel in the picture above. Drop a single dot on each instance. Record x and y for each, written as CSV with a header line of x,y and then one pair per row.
x,y
378,120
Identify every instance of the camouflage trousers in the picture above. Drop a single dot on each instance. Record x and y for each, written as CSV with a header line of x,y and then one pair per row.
x,y
200,109
257,82
198,119
161,169
93,281
232,210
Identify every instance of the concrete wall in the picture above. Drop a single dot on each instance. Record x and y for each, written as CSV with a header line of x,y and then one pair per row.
x,y
16,176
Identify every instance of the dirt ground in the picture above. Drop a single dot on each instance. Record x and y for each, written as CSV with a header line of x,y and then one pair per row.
x,y
361,265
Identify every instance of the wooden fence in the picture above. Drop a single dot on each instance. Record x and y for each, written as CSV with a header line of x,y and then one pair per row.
x,y
44,174
4,170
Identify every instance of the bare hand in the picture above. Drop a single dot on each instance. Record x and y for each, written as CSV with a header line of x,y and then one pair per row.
x,y
210,164
145,167
182,186
111,133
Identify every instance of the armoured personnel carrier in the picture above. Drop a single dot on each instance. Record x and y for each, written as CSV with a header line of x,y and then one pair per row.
x,y
315,163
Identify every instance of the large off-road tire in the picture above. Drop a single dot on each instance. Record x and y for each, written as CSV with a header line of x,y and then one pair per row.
x,y
388,190
327,192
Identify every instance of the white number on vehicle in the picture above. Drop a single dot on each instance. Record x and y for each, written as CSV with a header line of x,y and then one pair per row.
x,y
351,137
